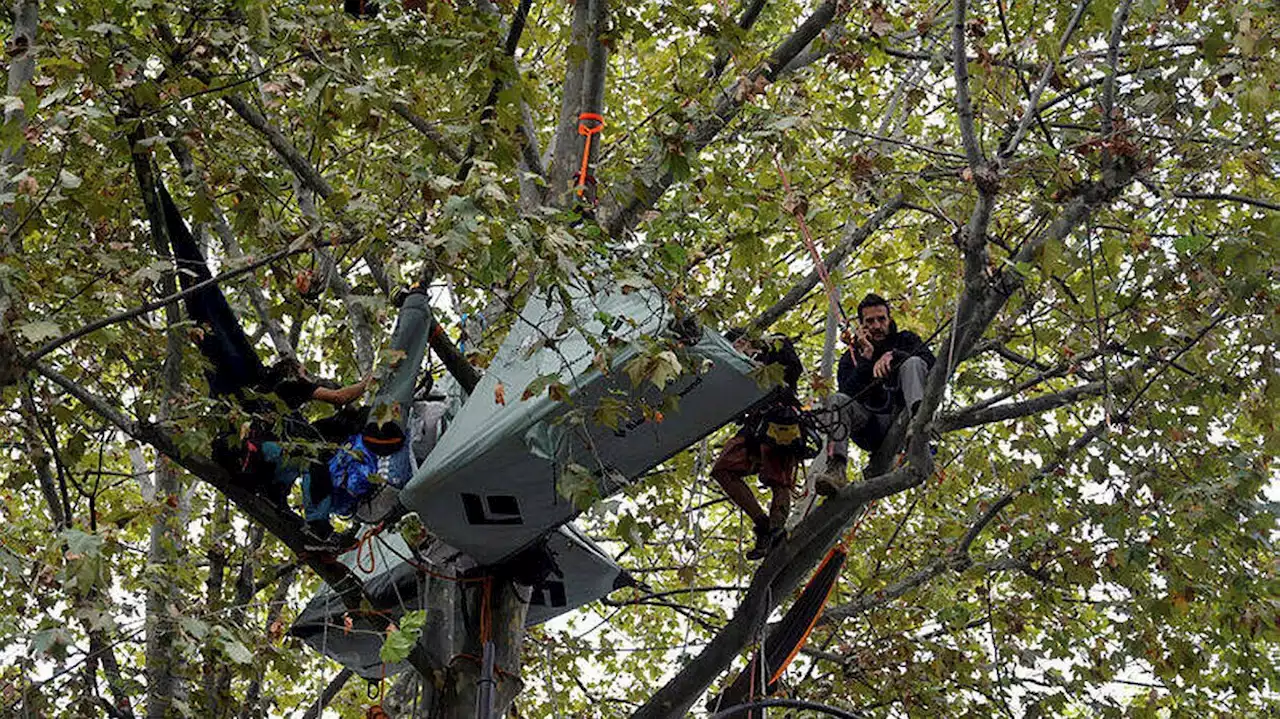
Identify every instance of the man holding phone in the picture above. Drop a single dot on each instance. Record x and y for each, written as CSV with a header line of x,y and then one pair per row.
x,y
882,374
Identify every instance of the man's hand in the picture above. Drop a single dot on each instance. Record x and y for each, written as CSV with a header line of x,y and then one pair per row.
x,y
864,343
881,370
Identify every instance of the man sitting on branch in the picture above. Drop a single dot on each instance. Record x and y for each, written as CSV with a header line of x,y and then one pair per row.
x,y
882,374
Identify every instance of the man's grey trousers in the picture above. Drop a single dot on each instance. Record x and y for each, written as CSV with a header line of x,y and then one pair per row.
x,y
851,419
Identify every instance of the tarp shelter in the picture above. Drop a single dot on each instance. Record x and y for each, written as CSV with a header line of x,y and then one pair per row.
x,y
495,482
395,586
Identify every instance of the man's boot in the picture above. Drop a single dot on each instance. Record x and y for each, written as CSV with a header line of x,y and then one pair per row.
x,y
831,478
767,537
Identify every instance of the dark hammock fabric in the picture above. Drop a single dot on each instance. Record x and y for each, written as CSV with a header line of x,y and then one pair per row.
x,y
235,365
783,643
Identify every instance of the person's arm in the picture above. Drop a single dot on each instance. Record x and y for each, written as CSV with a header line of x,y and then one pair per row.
x,y
910,345
344,395
852,375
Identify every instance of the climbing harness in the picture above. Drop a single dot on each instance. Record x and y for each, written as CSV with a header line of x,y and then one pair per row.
x,y
587,131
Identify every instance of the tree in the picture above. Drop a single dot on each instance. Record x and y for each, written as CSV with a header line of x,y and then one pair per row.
x,y
1078,200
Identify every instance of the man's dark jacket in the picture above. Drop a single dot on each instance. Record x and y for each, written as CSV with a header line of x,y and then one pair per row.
x,y
859,382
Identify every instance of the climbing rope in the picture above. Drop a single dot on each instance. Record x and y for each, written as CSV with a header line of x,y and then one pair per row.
x,y
363,544
587,131
797,210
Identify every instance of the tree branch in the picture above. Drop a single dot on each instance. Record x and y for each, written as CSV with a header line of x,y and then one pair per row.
x,y
330,691
854,237
1113,58
1228,197
622,212
999,413
435,136
165,301
1049,69
964,106
563,145
22,67
286,527
486,115
962,548
777,577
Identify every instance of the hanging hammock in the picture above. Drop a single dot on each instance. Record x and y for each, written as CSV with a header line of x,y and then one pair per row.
x,y
786,638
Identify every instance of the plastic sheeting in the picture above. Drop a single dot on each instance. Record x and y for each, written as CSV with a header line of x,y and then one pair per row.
x,y
396,586
498,478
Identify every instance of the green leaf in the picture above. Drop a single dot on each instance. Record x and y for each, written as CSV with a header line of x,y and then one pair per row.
x,y
40,330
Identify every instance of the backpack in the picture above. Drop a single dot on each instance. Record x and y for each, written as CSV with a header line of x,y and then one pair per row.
x,y
351,470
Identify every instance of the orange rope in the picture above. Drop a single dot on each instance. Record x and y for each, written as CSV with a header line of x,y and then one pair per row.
x,y
365,541
809,243
587,132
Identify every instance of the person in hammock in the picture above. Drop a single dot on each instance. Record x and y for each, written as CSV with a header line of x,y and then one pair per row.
x,y
289,381
769,444
235,372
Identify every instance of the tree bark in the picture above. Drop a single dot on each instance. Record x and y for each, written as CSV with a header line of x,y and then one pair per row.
x,y
22,67
565,146
166,535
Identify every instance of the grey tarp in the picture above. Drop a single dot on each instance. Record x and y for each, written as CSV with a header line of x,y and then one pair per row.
x,y
396,586
390,407
490,486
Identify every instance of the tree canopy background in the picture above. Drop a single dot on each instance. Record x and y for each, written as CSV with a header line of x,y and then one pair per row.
x,y
1094,536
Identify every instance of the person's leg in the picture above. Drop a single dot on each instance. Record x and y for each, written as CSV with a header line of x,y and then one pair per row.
x,y
850,418
911,378
778,472
734,463
317,499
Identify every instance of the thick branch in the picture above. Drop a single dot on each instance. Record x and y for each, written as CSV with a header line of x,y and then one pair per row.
x,y
1035,405
330,691
165,301
490,103
286,527
964,106
854,237
1228,197
623,211
564,145
1113,58
22,67
454,361
435,136
748,18
776,578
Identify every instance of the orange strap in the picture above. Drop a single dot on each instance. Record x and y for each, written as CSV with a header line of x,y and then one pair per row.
x,y
587,131
818,264
831,555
